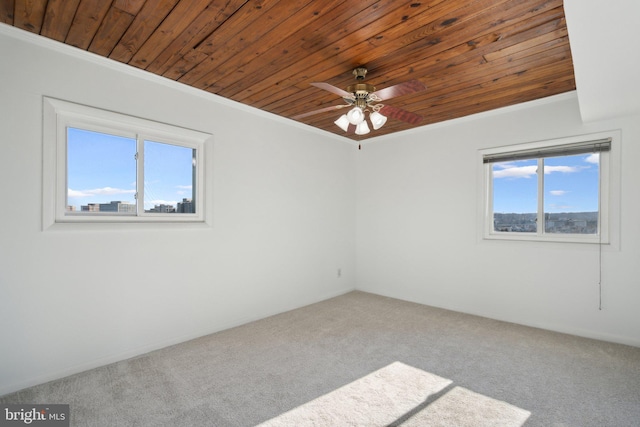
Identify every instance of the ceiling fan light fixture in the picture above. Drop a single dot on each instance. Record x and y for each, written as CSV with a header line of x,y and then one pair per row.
x,y
362,128
363,98
377,120
355,116
342,122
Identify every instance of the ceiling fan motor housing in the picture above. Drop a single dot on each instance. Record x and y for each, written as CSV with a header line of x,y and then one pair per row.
x,y
361,93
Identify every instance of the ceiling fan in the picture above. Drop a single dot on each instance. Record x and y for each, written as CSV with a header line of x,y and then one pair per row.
x,y
364,98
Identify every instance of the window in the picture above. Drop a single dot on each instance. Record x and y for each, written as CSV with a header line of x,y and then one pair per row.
x,y
107,167
550,191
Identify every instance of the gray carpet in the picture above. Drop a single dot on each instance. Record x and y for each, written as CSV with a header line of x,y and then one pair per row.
x,y
253,373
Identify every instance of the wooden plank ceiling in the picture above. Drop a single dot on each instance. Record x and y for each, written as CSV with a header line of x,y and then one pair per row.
x,y
472,55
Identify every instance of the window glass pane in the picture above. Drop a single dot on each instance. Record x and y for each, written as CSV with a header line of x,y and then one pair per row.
x,y
515,196
101,172
169,175
571,194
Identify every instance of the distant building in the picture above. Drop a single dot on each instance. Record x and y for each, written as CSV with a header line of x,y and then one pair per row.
x,y
186,206
117,206
114,206
162,208
560,223
91,207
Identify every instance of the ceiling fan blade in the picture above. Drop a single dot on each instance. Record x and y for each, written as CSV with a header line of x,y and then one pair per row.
x,y
322,110
333,89
400,114
405,88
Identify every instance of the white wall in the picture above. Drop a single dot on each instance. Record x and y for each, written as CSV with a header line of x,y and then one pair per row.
x,y
418,234
606,73
283,200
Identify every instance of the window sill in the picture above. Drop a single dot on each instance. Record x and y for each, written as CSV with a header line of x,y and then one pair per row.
x,y
525,237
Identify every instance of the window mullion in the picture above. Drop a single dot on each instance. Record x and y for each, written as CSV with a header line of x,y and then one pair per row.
x,y
194,180
541,221
139,176
488,208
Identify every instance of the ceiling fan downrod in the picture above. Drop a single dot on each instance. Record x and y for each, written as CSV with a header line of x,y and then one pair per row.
x,y
360,73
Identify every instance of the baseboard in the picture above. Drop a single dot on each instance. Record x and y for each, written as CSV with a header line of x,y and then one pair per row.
x,y
583,333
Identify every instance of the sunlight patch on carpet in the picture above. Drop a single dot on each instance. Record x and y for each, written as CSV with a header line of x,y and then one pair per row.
x,y
462,407
399,394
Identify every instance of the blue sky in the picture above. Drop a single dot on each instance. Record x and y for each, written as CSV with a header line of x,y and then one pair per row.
x,y
102,168
571,185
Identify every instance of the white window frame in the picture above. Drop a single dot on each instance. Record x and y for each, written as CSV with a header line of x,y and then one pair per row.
x,y
609,189
60,115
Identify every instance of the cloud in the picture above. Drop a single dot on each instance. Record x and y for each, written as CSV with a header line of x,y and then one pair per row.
x,y
515,171
558,192
184,187
105,191
593,158
509,171
563,169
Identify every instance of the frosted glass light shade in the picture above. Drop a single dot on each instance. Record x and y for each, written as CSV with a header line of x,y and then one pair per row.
x,y
342,122
355,116
362,128
377,120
